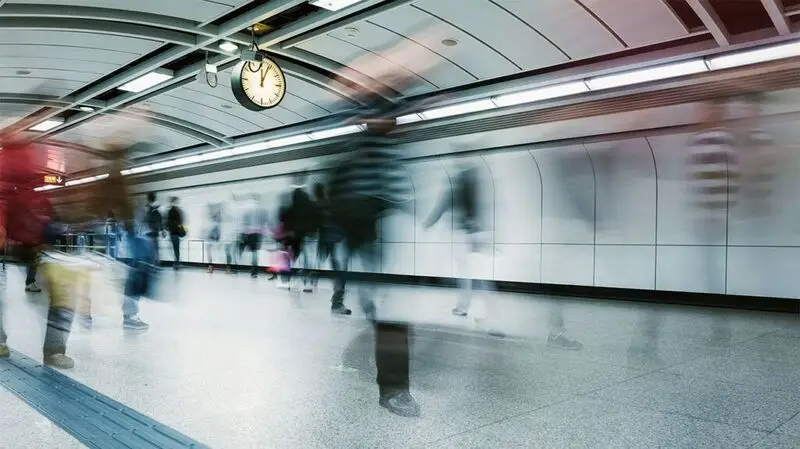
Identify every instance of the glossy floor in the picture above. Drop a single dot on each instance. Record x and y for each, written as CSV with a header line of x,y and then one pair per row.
x,y
236,363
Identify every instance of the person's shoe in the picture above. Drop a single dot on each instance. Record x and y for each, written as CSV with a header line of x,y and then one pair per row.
x,y
85,321
253,275
60,361
560,340
4,352
134,323
211,268
459,312
273,277
400,403
340,310
33,287
308,289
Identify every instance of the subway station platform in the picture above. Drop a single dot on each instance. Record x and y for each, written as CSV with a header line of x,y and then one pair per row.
x,y
234,362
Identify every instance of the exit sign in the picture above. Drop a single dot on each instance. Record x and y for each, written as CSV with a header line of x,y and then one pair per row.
x,y
54,179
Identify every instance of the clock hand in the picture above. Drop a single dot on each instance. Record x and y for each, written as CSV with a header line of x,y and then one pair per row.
x,y
264,75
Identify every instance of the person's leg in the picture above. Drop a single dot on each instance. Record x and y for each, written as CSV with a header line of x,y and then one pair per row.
x,y
255,247
176,250
30,255
392,346
83,285
60,282
340,273
136,283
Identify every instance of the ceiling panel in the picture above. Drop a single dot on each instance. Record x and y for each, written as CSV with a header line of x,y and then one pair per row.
x,y
57,52
11,113
36,85
567,24
496,29
34,63
380,41
344,53
197,10
127,131
638,22
223,121
90,41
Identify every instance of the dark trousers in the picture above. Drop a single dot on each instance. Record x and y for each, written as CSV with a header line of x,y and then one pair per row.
x,y
176,247
295,245
392,357
327,250
30,256
253,243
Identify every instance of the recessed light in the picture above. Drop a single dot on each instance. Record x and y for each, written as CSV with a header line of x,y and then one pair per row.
x,y
230,47
24,72
47,125
226,106
449,42
86,108
351,32
147,81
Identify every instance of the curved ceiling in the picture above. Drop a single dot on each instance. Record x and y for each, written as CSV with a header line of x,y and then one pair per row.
x,y
58,57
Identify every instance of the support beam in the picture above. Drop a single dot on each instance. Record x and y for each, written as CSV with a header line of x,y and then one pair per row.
x,y
711,20
775,10
98,27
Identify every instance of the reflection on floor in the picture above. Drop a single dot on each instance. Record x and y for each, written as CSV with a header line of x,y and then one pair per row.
x,y
236,363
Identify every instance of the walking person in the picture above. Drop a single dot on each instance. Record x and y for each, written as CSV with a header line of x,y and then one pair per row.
x,y
214,234
301,223
329,236
176,228
364,187
153,226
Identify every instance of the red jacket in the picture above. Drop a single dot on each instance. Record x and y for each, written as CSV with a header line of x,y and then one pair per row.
x,y
23,212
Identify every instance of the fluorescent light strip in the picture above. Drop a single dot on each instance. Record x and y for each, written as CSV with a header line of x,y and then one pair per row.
x,y
336,132
47,187
333,5
47,125
147,81
251,148
410,118
286,141
657,73
771,53
458,109
541,93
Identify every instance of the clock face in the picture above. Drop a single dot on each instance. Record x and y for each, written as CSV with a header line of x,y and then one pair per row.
x,y
260,89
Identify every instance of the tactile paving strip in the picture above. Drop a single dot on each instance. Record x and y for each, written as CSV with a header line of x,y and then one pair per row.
x,y
94,419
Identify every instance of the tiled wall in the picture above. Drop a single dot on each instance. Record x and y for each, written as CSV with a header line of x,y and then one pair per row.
x,y
630,226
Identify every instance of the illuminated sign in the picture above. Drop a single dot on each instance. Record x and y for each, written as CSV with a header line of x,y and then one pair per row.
x,y
53,179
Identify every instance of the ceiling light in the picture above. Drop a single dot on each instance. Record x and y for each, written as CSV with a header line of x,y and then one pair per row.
x,y
449,42
47,187
335,132
188,160
47,125
542,93
216,155
86,108
351,32
333,5
286,141
125,172
649,74
142,169
763,54
253,147
458,109
406,119
147,81
23,72
230,47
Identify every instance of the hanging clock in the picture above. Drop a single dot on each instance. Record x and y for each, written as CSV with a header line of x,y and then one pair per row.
x,y
259,89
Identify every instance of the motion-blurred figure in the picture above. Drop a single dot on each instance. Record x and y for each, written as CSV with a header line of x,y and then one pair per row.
x,y
254,223
214,234
364,187
464,198
300,224
176,228
330,235
152,224
25,217
112,230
